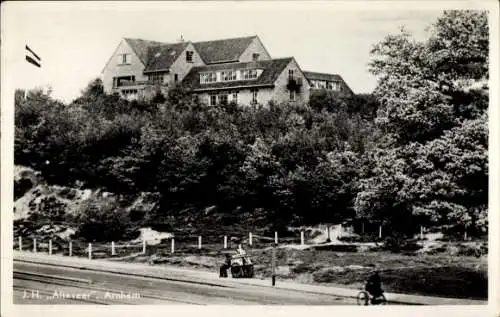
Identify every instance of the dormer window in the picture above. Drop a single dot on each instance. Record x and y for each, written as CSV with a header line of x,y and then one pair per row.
x,y
290,73
247,74
206,78
124,59
228,75
189,56
255,56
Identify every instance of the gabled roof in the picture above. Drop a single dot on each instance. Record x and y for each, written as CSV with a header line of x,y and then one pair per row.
x,y
220,51
271,70
322,76
161,57
141,47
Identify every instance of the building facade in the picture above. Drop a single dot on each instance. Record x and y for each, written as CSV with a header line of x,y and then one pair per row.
x,y
236,70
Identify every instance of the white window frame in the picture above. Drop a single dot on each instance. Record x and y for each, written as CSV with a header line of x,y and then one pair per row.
x,y
255,95
214,96
208,77
223,94
235,96
224,75
124,59
249,74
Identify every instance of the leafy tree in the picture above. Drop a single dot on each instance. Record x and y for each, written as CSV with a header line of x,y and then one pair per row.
x,y
432,166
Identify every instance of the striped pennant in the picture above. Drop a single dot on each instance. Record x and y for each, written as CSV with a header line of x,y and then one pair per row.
x,y
32,58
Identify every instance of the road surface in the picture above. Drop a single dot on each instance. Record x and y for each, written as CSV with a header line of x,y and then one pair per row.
x,y
36,283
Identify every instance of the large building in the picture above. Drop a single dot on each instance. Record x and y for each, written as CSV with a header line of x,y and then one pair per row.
x,y
231,70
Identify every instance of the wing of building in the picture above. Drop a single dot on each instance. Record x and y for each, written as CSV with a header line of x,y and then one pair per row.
x,y
229,70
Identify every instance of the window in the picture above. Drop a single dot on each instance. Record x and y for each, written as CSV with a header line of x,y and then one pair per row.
x,y
206,78
189,56
124,59
213,99
156,78
176,77
290,73
223,98
123,81
255,56
228,75
249,74
292,95
235,97
254,95
127,92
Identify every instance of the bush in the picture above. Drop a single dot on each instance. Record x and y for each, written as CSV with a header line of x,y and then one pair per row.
x,y
102,220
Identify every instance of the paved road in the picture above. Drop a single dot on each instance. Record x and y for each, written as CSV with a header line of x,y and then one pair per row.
x,y
36,283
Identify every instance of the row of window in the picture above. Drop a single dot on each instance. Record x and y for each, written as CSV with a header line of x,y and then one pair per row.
x,y
229,75
330,85
225,97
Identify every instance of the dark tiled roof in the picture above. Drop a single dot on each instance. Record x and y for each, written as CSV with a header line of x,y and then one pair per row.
x,y
227,50
141,47
161,57
271,70
322,76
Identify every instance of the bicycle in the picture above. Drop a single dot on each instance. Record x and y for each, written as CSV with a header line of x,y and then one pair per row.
x,y
364,299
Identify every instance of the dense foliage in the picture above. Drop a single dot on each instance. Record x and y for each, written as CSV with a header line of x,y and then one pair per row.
x,y
414,152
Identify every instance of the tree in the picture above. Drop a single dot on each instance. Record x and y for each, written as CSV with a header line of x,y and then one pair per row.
x,y
432,166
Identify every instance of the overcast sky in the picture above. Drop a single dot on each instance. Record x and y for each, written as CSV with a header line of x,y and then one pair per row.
x,y
75,40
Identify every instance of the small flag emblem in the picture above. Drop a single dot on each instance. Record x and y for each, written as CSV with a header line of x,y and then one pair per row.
x,y
32,58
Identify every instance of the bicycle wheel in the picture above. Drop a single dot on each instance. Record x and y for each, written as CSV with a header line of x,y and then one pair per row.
x,y
363,298
382,300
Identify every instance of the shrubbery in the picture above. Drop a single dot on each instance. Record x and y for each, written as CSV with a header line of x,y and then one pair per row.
x,y
412,153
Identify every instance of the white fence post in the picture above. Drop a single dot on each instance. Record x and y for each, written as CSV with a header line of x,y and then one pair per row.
x,y
143,246
113,251
34,245
225,242
421,233
339,232
50,247
302,238
20,243
276,237
199,242
173,245
380,231
90,251
250,238
70,248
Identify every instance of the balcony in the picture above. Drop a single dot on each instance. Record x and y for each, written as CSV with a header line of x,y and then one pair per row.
x,y
294,83
141,83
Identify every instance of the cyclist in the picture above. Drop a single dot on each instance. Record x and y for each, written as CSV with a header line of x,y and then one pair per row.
x,y
374,287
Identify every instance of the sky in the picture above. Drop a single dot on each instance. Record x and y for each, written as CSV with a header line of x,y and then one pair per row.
x,y
76,39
